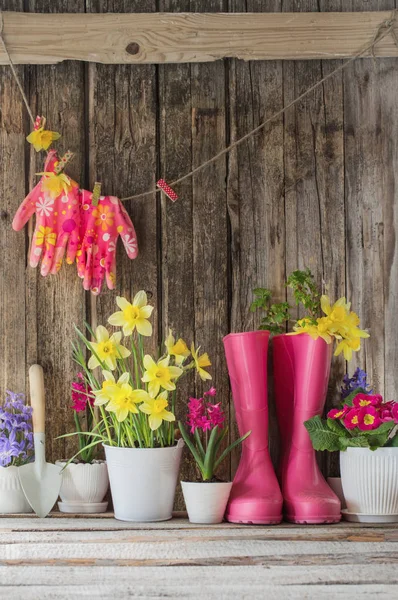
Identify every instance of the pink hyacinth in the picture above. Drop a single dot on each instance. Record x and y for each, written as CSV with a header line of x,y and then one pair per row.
x,y
203,414
79,394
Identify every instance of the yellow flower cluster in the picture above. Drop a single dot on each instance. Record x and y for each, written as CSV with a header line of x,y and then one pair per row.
x,y
154,379
339,323
121,399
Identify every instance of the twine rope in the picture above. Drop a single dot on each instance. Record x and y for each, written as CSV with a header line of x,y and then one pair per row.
x,y
384,29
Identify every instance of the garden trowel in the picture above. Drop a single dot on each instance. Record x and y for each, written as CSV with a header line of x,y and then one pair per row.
x,y
40,481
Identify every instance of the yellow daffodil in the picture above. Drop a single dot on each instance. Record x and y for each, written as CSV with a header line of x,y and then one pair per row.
x,y
41,139
159,374
123,399
347,346
55,184
107,348
317,330
133,315
103,396
156,409
338,311
177,349
199,362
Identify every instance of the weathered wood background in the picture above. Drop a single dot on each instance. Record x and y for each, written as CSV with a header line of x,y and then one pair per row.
x,y
315,188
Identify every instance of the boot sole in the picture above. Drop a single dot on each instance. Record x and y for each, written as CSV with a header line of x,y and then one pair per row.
x,y
314,521
262,521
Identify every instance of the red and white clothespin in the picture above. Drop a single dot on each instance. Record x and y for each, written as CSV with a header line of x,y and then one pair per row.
x,y
166,189
40,122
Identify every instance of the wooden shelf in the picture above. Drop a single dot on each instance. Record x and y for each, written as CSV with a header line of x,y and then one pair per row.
x,y
34,38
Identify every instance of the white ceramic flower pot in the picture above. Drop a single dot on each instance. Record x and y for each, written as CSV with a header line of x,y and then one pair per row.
x,y
206,502
12,498
143,481
83,487
370,482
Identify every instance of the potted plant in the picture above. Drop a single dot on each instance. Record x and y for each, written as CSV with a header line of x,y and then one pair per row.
x,y
16,449
301,368
85,479
365,431
206,500
135,393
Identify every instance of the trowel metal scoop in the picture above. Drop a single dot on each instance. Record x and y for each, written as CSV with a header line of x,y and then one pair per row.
x,y
41,481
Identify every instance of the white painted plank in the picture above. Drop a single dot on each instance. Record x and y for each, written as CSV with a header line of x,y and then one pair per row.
x,y
182,550
206,590
194,576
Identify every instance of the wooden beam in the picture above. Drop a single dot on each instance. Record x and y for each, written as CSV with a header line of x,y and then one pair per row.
x,y
189,37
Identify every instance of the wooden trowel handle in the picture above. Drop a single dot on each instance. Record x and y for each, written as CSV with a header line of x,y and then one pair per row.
x,y
36,380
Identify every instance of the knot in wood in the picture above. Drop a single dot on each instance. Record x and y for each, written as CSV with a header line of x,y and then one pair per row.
x,y
133,48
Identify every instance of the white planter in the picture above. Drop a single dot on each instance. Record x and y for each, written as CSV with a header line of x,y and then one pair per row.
x,y
143,481
83,487
12,498
370,481
206,502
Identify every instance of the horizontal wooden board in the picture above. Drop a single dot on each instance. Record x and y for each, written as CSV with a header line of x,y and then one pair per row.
x,y
190,37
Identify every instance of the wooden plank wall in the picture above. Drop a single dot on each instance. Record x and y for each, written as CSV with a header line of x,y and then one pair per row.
x,y
316,187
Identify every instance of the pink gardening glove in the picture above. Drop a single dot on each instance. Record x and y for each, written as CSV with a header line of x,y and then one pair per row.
x,y
57,222
100,227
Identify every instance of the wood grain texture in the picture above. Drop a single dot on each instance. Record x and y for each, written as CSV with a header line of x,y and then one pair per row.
x,y
104,558
122,155
316,188
13,260
371,196
210,227
256,205
177,241
54,304
186,37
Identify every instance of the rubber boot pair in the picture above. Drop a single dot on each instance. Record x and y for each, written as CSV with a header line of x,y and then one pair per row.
x,y
301,374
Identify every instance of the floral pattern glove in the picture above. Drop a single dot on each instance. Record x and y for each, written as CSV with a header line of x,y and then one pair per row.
x,y
57,221
100,227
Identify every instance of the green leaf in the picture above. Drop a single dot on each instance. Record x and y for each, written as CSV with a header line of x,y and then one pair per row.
x,y
191,447
351,396
394,441
210,453
322,437
230,448
336,426
359,441
383,428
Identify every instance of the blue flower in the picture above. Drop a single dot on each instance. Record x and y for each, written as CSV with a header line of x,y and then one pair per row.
x,y
358,380
16,435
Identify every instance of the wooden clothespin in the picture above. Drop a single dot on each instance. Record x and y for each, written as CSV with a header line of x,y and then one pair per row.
x,y
166,189
67,157
96,193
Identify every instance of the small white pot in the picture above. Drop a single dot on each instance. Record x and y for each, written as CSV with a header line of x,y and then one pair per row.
x,y
143,481
370,481
83,487
206,501
12,498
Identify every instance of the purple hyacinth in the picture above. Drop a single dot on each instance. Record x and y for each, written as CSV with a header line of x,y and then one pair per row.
x,y
358,380
16,435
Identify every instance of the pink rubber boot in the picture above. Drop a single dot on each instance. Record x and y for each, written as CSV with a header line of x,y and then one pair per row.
x,y
255,495
301,375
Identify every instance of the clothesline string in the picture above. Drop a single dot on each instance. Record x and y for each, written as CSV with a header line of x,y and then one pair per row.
x,y
385,28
